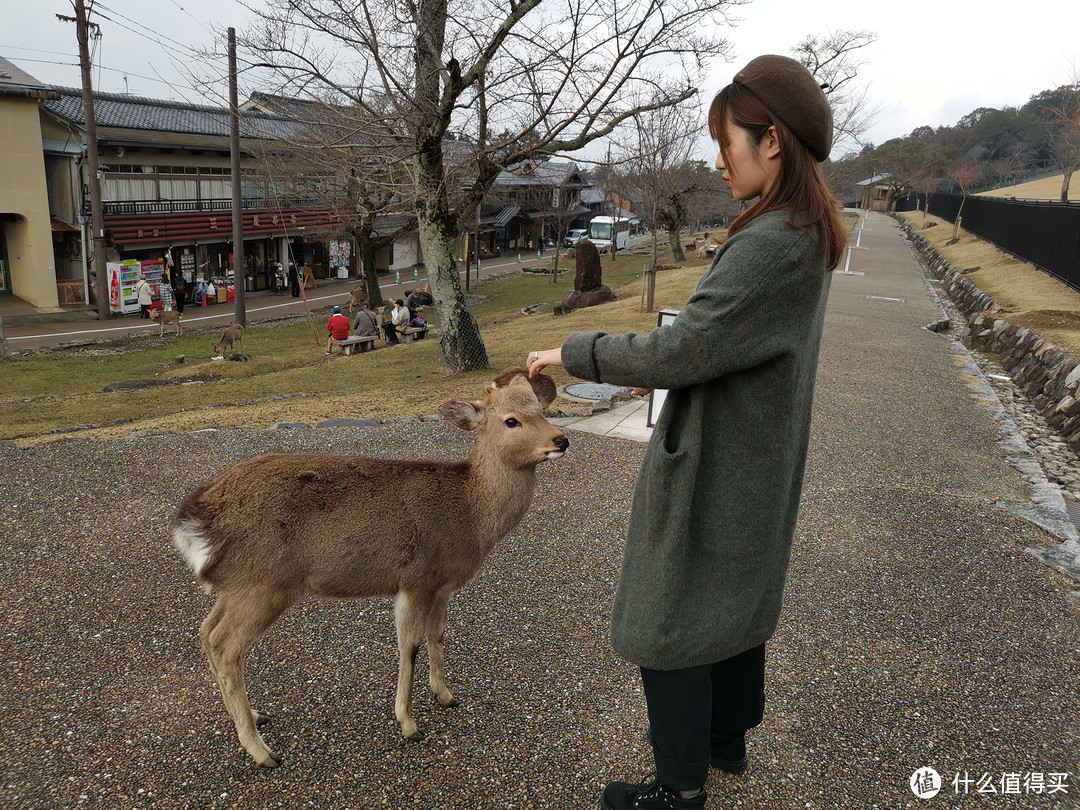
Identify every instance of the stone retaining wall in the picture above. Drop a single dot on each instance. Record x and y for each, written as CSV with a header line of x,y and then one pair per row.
x,y
1043,371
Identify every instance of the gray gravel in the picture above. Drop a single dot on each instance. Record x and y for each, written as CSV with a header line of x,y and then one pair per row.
x,y
916,631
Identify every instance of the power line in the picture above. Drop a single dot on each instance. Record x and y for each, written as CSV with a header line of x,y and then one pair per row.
x,y
36,50
157,40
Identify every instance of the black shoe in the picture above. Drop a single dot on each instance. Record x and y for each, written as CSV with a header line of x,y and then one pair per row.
x,y
729,753
651,796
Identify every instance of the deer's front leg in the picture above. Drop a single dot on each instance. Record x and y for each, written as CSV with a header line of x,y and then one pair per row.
x,y
410,611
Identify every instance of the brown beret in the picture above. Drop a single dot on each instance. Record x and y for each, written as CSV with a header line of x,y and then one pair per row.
x,y
792,94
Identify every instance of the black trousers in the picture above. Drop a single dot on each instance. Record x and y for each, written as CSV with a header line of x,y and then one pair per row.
x,y
688,706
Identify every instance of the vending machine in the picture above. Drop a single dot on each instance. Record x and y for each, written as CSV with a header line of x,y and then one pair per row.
x,y
153,271
122,278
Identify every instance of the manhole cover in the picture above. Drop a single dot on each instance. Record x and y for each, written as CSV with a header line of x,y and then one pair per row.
x,y
594,391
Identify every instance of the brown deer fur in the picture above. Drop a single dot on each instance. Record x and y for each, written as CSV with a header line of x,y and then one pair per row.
x,y
276,528
233,333
164,316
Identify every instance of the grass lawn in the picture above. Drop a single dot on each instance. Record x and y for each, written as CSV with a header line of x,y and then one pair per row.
x,y
290,379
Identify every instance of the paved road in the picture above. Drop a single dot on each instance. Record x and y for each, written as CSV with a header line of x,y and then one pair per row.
x,y
47,332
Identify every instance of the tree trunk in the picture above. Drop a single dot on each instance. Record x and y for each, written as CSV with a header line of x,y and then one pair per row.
x,y
459,334
367,258
1066,179
677,253
959,218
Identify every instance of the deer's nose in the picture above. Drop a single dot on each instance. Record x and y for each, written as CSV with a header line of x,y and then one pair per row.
x,y
562,442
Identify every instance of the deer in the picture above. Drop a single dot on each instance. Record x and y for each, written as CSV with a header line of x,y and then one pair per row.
x,y
276,528
164,316
233,334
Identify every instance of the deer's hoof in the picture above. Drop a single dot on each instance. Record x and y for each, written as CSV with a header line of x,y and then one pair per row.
x,y
271,760
262,718
416,736
453,702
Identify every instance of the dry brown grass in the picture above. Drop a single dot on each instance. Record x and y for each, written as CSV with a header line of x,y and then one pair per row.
x,y
1048,188
1026,296
398,382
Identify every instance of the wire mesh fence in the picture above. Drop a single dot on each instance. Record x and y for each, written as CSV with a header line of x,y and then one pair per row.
x,y
1046,234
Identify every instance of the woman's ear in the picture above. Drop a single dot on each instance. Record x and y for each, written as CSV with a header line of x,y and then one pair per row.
x,y
770,144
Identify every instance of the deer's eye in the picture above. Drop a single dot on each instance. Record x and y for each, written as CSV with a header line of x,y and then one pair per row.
x,y
511,422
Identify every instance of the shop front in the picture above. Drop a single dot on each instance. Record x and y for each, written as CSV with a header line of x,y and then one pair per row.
x,y
199,245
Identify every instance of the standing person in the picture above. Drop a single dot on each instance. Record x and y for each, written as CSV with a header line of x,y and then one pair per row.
x,y
294,280
713,516
399,319
338,327
165,293
145,296
179,287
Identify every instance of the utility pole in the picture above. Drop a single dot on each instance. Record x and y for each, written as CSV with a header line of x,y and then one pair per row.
x,y
239,263
97,219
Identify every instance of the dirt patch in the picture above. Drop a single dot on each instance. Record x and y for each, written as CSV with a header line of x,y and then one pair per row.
x,y
142,385
1060,327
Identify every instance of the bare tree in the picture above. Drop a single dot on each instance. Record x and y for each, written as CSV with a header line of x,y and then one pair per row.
x,y
656,155
565,207
553,77
349,163
1064,132
930,176
835,59
965,173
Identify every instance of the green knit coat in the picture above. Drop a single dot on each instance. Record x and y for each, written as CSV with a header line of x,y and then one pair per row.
x,y
713,516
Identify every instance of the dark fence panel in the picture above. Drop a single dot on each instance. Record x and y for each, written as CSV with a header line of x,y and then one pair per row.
x,y
1046,234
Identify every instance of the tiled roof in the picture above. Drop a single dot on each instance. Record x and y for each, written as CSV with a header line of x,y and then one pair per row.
x,y
120,111
10,75
548,174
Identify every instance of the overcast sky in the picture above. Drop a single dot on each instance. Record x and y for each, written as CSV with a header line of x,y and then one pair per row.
x,y
933,62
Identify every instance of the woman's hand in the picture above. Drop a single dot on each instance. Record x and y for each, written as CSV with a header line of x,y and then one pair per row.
x,y
538,361
640,392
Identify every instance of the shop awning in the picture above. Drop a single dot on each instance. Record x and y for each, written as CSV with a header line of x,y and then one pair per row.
x,y
59,226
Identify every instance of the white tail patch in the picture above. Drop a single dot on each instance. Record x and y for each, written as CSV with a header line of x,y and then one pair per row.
x,y
192,545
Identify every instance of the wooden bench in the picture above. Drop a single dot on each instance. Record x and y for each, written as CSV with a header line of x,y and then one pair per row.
x,y
411,333
361,344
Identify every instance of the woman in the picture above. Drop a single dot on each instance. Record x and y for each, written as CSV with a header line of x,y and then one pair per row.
x,y
714,508
145,295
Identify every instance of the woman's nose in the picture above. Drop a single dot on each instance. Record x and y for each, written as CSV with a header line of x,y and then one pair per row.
x,y
720,161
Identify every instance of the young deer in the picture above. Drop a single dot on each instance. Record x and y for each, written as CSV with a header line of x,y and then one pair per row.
x,y
234,333
276,528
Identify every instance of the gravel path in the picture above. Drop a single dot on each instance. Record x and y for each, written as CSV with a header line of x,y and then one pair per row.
x,y
916,632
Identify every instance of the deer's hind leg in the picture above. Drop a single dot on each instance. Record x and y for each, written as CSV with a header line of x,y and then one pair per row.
x,y
228,632
435,631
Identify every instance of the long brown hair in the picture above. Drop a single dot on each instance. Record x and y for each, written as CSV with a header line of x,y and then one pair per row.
x,y
800,187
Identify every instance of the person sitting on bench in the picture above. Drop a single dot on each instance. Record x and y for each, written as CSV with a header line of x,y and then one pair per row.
x,y
366,322
398,321
338,327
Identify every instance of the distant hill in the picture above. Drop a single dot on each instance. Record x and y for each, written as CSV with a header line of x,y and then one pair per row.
x,y
1049,188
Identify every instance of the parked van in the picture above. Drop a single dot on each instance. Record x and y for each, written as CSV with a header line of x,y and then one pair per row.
x,y
573,236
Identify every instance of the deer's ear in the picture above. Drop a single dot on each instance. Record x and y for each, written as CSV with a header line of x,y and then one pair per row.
x,y
544,388
465,415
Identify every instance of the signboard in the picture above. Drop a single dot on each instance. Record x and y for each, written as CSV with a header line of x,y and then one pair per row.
x,y
657,397
187,265
339,253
